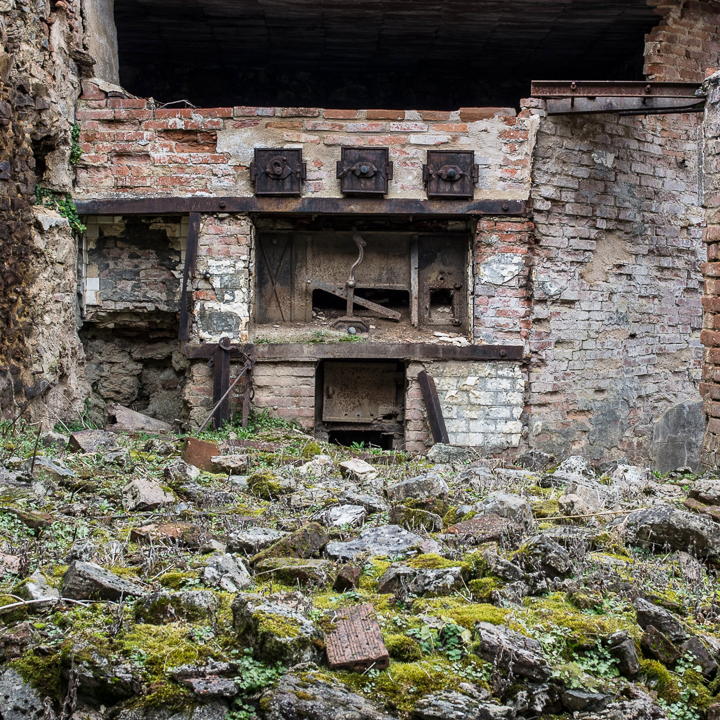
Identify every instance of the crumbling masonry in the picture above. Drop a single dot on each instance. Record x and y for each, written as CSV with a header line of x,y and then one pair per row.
x,y
553,294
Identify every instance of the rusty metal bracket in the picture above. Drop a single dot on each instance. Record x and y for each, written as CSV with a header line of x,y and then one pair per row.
x,y
565,97
434,410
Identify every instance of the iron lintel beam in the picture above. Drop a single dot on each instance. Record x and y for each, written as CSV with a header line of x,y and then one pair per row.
x,y
299,206
312,352
612,88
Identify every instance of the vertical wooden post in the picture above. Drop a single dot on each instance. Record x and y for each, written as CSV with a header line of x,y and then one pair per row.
x,y
188,270
221,382
434,411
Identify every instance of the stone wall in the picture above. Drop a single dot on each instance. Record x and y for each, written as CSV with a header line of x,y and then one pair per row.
x,y
133,264
41,58
616,282
132,148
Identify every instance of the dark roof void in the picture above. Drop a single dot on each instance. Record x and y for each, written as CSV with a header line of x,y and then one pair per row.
x,y
424,54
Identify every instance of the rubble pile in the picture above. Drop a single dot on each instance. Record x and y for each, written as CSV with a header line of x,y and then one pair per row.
x,y
261,574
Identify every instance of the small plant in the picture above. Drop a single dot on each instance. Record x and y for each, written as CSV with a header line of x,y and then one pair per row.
x,y
62,203
75,149
451,640
253,675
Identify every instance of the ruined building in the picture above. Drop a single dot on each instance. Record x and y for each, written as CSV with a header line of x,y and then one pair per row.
x,y
369,211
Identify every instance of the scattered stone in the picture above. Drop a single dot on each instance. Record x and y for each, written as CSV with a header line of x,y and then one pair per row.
x,y
483,528
536,460
358,471
512,507
312,696
348,577
92,441
10,563
142,494
631,481
664,527
318,466
18,699
129,420
54,439
657,645
389,540
415,519
84,549
356,642
33,520
622,648
36,587
344,515
277,628
695,647
511,651
706,490
420,487
178,471
183,533
253,539
291,570
577,700
226,572
403,580
166,606
542,555
231,464
451,454
648,614
56,469
371,503
200,453
211,686
88,581
712,511
306,542
451,705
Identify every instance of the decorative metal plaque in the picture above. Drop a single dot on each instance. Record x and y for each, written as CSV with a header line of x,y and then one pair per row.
x,y
278,171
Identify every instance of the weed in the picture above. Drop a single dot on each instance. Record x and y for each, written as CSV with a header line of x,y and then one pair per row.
x,y
62,203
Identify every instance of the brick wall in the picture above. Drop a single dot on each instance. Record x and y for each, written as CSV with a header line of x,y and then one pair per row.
x,y
482,403
616,282
131,148
286,389
221,286
684,43
710,386
501,266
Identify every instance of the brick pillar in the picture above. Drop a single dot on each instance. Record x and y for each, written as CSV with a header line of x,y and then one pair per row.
x,y
221,301
710,387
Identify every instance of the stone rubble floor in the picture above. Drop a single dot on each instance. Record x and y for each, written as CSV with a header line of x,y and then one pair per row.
x,y
135,585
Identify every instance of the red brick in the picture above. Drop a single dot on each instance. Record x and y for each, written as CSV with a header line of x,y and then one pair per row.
x,y
471,114
385,115
331,114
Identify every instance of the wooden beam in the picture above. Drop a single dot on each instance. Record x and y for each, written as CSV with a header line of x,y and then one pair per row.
x,y
312,352
301,206
188,271
221,383
434,410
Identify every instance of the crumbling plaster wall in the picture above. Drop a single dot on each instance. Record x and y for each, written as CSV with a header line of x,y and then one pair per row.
x,y
615,343
41,59
132,148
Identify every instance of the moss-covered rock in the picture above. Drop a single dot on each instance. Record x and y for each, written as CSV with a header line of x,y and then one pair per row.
x,y
293,571
165,606
403,648
306,542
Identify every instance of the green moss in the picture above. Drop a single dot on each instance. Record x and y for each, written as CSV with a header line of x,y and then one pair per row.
x,y
585,628
277,625
483,588
373,569
163,647
658,678
451,516
610,543
43,672
175,580
432,561
402,647
266,485
165,695
460,611
311,449
545,508
11,616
